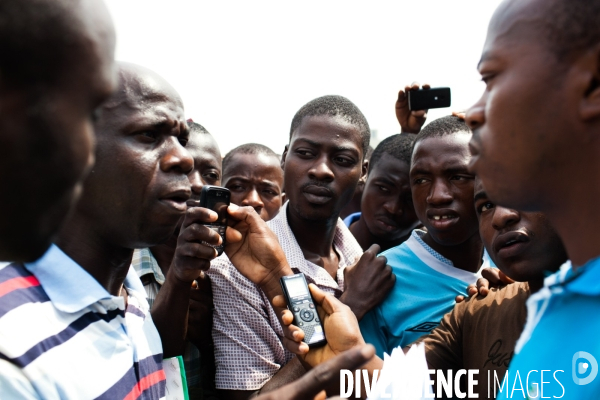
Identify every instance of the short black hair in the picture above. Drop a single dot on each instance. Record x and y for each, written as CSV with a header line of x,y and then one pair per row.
x,y
196,127
398,146
335,106
248,148
571,25
441,127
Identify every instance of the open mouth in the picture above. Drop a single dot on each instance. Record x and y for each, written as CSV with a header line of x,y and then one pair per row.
x,y
442,219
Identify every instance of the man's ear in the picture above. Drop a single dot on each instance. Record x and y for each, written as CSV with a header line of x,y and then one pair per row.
x,y
590,66
364,172
284,155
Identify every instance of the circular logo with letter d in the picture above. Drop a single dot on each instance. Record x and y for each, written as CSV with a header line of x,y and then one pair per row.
x,y
585,368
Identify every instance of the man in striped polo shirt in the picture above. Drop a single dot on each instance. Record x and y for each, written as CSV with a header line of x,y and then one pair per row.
x,y
75,323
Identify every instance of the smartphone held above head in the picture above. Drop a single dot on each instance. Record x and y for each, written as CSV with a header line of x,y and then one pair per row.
x,y
424,99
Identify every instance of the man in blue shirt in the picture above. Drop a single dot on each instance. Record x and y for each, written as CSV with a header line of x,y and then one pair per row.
x,y
448,256
536,147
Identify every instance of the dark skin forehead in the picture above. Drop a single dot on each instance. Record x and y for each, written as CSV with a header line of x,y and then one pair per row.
x,y
139,87
342,131
447,152
143,98
247,165
204,149
391,169
514,22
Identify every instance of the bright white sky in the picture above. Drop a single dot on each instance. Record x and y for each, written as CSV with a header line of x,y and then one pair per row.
x,y
243,68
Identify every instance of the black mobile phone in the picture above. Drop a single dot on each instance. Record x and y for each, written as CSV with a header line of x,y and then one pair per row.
x,y
424,99
302,305
217,199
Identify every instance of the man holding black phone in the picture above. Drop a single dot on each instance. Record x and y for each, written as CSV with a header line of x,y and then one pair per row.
x,y
152,265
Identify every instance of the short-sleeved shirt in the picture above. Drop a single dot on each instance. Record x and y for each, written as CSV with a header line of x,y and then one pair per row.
x,y
63,336
199,375
426,286
480,334
246,330
561,339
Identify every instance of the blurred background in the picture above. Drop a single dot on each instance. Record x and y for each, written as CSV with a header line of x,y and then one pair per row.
x,y
244,68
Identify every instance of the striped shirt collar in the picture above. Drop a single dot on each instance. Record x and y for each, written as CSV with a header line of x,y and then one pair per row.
x,y
70,287
418,235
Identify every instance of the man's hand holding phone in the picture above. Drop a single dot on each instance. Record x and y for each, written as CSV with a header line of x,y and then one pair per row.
x,y
191,257
255,251
410,121
192,254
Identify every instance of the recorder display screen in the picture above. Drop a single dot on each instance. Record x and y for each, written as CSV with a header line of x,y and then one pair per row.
x,y
296,287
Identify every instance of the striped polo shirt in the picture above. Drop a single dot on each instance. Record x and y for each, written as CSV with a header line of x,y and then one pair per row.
x,y
62,335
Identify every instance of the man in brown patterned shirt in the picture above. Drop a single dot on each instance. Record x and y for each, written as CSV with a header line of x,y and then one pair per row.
x,y
481,332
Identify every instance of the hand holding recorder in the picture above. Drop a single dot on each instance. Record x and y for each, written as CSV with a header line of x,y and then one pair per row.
x,y
339,323
302,305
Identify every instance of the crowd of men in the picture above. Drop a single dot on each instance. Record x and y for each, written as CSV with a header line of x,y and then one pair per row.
x,y
110,271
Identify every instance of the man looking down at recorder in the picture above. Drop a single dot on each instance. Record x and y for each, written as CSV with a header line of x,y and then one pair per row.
x,y
481,332
322,165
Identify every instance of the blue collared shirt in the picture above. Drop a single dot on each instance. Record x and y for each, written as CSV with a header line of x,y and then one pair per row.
x,y
558,352
70,287
409,312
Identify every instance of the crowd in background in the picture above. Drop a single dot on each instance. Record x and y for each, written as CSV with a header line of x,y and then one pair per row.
x,y
473,234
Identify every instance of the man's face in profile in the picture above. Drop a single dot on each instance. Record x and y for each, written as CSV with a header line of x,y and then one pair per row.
x,y
47,137
520,126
